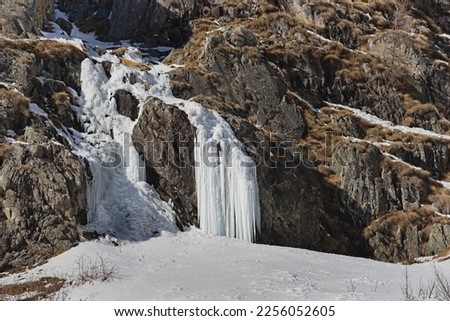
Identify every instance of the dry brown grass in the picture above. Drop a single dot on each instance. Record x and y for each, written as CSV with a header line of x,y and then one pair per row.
x,y
32,290
188,56
61,97
414,107
443,255
392,223
441,202
4,147
120,51
17,99
134,64
353,74
180,86
403,169
48,50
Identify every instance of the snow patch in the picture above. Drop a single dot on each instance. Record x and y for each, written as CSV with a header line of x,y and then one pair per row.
x,y
35,109
318,36
387,124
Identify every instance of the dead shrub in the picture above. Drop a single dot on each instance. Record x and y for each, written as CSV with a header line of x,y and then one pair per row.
x,y
90,270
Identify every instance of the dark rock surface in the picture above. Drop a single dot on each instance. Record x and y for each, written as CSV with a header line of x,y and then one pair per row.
x,y
154,21
24,18
127,104
372,186
165,137
42,185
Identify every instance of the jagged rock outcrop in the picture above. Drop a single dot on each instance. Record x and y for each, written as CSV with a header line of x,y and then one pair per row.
x,y
22,61
404,236
439,239
432,156
42,201
82,9
24,18
13,112
19,67
42,184
373,185
154,21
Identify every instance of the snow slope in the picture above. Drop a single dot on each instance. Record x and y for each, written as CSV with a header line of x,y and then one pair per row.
x,y
195,266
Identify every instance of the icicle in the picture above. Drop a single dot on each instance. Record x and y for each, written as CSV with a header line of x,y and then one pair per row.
x,y
227,190
226,178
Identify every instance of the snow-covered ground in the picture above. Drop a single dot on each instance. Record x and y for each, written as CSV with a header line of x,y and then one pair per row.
x,y
195,266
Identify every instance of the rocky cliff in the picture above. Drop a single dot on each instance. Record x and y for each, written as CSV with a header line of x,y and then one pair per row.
x,y
42,184
342,105
304,81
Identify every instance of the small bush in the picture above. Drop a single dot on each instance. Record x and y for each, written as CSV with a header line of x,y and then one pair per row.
x,y
90,270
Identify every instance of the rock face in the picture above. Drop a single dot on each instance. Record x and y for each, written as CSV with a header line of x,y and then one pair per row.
x,y
166,19
371,185
165,137
439,239
24,18
158,20
268,78
82,9
432,156
42,184
42,199
154,21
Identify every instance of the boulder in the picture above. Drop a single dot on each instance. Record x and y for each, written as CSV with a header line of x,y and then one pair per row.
x,y
165,137
127,104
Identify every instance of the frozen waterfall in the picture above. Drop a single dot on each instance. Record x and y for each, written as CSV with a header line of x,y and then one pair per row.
x,y
120,203
226,178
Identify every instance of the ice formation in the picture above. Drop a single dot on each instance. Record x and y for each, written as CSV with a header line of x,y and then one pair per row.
x,y
119,202
226,177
